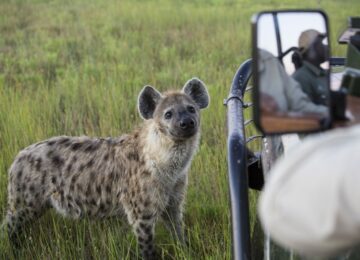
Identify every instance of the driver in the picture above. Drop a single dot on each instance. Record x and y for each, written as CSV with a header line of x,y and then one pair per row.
x,y
312,78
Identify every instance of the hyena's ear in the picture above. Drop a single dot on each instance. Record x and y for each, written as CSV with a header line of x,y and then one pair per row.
x,y
148,99
196,89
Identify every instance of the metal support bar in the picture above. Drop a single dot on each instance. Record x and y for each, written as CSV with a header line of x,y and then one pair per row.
x,y
249,104
237,165
231,96
253,137
337,61
249,121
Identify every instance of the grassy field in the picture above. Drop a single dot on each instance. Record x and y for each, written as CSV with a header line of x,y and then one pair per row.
x,y
76,67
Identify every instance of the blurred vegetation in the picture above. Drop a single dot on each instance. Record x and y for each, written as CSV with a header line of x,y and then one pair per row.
x,y
76,67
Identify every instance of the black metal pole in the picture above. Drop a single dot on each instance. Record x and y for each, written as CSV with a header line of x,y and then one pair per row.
x,y
237,165
278,36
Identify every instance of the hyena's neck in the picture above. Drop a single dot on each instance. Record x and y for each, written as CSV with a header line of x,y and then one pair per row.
x,y
164,154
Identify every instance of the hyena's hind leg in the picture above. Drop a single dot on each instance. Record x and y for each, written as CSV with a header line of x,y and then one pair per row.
x,y
15,221
24,206
27,197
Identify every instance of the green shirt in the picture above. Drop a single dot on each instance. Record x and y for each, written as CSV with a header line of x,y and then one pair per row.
x,y
313,82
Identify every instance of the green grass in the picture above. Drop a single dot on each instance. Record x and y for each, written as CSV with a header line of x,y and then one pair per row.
x,y
76,67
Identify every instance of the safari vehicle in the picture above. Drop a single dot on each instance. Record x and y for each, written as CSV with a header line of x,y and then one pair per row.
x,y
277,34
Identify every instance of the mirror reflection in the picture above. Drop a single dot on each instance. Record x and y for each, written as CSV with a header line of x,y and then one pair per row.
x,y
292,72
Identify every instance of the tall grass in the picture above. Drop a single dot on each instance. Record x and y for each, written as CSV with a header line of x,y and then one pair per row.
x,y
76,67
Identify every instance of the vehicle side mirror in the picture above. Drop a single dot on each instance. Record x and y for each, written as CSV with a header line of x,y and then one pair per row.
x,y
291,71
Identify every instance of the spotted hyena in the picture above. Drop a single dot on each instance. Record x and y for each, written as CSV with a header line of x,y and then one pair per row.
x,y
142,175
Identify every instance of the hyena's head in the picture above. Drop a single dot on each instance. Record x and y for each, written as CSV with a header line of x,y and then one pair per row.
x,y
177,114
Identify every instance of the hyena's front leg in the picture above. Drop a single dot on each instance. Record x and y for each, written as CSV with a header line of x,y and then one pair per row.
x,y
142,217
144,227
172,218
173,214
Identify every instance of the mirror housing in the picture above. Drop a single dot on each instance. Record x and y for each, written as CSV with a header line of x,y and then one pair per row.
x,y
291,71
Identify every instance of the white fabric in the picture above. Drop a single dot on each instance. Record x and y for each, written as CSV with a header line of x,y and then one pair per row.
x,y
290,141
311,201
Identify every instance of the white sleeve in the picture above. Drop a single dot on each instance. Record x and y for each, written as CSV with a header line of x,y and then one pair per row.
x,y
311,201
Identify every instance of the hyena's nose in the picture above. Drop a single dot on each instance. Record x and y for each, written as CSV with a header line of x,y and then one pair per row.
x,y
187,123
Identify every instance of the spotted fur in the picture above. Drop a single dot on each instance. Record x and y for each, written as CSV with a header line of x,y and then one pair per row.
x,y
142,175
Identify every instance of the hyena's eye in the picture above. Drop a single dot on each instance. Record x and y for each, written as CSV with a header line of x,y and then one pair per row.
x,y
168,115
191,109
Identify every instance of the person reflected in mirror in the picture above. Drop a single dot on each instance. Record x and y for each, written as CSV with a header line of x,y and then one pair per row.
x,y
282,97
279,92
311,76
